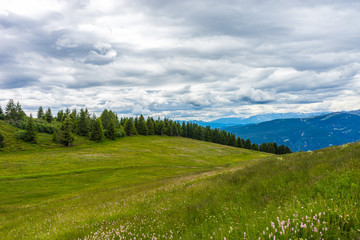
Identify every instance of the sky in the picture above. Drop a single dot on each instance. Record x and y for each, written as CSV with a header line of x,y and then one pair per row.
x,y
188,59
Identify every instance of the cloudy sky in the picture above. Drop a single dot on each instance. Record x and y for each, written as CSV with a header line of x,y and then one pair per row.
x,y
188,59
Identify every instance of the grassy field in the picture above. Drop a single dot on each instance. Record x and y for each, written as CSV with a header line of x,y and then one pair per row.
x,y
52,192
176,188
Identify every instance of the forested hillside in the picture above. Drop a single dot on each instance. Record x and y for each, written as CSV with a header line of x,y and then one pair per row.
x,y
68,124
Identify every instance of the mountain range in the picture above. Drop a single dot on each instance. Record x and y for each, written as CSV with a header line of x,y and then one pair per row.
x,y
234,121
303,134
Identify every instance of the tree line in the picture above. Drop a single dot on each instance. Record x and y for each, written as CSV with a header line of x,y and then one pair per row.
x,y
66,123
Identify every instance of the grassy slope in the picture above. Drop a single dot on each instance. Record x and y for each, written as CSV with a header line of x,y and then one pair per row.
x,y
54,192
241,204
163,187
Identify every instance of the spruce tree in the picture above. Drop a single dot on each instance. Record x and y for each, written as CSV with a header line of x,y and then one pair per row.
x,y
83,124
10,111
2,143
60,116
183,130
1,114
142,128
48,116
150,125
238,142
255,147
40,113
248,144
66,135
111,132
160,129
105,119
30,130
97,133
223,137
20,114
130,127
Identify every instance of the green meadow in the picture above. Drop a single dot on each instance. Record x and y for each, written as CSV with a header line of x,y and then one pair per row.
x,y
157,187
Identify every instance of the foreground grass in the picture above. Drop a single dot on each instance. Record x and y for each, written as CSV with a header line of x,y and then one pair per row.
x,y
172,188
64,193
311,195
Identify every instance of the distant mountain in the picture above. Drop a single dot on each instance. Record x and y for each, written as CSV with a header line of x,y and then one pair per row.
x,y
227,122
356,112
304,133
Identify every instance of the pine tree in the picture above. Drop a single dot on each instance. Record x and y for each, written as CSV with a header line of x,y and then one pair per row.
x,y
223,137
168,129
2,143
255,147
67,137
111,132
60,116
130,127
239,142
150,125
30,130
105,119
10,111
20,114
183,130
1,114
40,113
48,116
142,128
97,133
287,150
207,134
248,144
83,124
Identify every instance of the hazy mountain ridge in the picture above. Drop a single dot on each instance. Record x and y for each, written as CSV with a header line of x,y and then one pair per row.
x,y
234,121
305,133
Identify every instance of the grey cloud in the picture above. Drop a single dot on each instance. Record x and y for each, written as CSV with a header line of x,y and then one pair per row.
x,y
186,57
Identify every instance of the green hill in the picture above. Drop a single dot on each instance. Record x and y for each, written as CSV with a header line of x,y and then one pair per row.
x,y
152,187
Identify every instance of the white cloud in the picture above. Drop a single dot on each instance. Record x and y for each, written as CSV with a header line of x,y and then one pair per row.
x,y
186,59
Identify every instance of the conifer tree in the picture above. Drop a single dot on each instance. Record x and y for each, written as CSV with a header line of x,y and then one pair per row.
x,y
10,111
130,127
60,116
1,114
20,114
207,134
150,125
248,144
223,137
2,143
160,127
255,147
97,133
48,116
105,119
83,123
168,129
142,128
40,113
66,135
111,132
183,130
30,130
